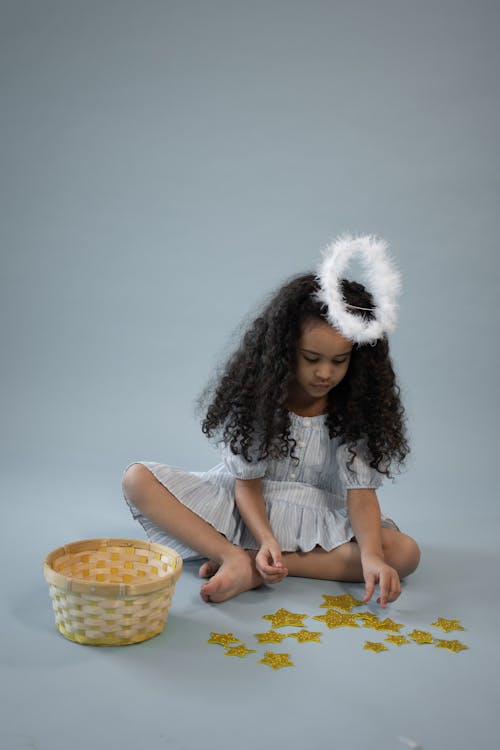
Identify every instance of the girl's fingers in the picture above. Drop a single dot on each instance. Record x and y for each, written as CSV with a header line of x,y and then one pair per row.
x,y
396,588
369,587
385,588
275,556
268,571
383,591
273,573
390,588
273,578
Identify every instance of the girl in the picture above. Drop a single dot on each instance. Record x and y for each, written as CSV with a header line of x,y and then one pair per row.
x,y
310,420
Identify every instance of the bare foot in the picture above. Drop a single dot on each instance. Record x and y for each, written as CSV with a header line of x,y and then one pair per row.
x,y
236,574
209,568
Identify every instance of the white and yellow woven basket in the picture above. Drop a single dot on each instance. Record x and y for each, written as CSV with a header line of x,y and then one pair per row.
x,y
111,592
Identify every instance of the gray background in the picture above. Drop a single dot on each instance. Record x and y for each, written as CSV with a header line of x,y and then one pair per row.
x,y
165,165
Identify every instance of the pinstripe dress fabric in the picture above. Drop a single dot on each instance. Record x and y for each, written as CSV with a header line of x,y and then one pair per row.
x,y
306,501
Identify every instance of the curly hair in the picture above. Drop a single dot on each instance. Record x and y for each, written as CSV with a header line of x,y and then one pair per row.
x,y
248,402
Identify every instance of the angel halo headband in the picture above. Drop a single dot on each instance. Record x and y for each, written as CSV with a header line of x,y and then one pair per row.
x,y
383,280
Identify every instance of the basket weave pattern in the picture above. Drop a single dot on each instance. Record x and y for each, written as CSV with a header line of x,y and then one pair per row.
x,y
111,591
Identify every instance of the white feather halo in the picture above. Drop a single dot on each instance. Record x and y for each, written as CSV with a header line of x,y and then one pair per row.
x,y
383,282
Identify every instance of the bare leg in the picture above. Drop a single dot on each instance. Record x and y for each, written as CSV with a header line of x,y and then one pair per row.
x,y
232,569
344,563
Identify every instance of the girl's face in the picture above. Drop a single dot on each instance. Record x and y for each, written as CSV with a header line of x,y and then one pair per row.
x,y
323,357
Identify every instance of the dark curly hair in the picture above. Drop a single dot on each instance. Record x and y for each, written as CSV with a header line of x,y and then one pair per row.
x,y
248,401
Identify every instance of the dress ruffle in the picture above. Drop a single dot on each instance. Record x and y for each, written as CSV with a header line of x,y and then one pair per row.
x,y
298,525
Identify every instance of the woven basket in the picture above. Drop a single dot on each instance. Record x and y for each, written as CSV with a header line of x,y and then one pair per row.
x,y
111,592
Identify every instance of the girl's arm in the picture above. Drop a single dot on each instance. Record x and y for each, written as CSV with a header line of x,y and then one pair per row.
x,y
251,505
364,514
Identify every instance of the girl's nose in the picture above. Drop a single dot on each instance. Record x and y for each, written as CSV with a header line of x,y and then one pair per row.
x,y
323,372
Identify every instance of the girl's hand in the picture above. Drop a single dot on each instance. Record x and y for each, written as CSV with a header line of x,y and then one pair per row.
x,y
376,570
268,562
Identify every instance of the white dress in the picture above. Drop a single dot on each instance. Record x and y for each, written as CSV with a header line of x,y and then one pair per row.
x,y
306,501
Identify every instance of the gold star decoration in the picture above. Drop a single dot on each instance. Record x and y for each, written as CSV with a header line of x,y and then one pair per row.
x,y
388,624
447,625
454,646
305,636
398,640
271,636
241,650
371,646
369,619
336,619
283,617
345,602
421,636
276,661
222,639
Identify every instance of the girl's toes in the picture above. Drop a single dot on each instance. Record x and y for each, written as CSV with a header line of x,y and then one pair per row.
x,y
208,569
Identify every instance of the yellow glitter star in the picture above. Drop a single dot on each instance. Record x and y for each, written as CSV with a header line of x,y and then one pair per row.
x,y
388,624
371,646
336,619
454,646
222,639
276,661
421,636
283,617
369,620
447,625
271,636
304,636
398,640
344,602
241,650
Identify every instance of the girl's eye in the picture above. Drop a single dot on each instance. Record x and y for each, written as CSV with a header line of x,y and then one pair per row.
x,y
335,361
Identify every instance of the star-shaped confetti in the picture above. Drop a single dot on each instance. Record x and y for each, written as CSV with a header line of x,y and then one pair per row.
x,y
336,619
421,636
447,625
241,650
369,619
271,636
222,639
305,636
388,624
345,602
371,646
454,646
398,640
283,617
276,661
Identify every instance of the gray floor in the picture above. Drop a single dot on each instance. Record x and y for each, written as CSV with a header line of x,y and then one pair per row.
x,y
176,691
217,146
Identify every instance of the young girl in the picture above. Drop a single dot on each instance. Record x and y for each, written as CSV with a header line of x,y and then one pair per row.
x,y
310,420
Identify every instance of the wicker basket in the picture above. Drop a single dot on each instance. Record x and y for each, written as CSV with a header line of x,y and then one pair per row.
x,y
111,592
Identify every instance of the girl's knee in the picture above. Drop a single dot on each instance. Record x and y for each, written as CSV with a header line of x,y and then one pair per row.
x,y
134,481
402,552
410,556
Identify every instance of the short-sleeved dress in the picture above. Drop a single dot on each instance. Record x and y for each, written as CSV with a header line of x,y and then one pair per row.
x,y
306,500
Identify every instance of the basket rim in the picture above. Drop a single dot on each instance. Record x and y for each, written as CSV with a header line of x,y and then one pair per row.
x,y
102,588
